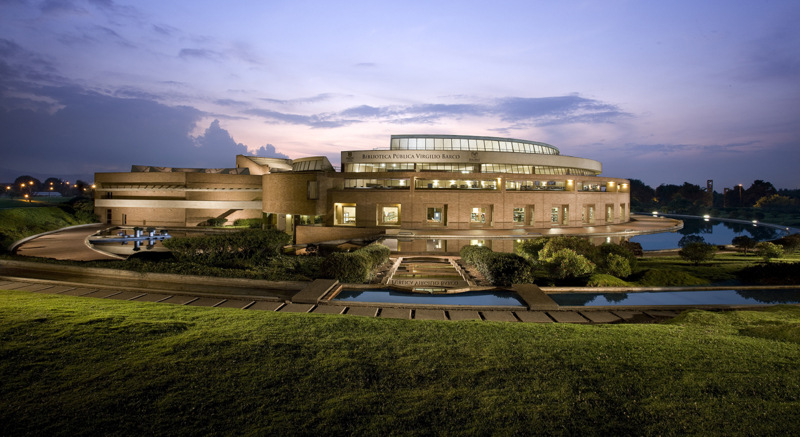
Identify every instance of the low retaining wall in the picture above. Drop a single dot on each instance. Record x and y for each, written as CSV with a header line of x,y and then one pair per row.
x,y
159,277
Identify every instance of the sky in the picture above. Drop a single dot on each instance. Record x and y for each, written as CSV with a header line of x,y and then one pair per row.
x,y
664,92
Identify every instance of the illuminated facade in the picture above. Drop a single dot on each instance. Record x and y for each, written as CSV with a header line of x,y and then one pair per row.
x,y
449,183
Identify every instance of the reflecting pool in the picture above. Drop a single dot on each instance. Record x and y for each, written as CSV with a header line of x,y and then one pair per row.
x,y
480,298
713,232
697,297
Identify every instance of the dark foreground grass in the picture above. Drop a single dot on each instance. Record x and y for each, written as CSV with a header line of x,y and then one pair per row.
x,y
79,366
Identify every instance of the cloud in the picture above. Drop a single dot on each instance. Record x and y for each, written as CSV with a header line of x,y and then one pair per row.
x,y
230,102
306,100
269,151
521,112
365,65
61,7
200,54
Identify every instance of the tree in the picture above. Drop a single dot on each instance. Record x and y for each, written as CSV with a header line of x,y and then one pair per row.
x,y
768,250
641,194
774,200
688,239
744,242
697,252
790,243
756,191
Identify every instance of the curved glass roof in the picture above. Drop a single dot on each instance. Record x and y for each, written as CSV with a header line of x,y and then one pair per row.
x,y
466,142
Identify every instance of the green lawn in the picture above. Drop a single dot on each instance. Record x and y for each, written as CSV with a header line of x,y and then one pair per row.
x,y
722,268
80,366
7,202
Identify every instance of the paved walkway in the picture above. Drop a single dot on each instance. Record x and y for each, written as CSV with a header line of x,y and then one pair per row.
x,y
275,304
66,244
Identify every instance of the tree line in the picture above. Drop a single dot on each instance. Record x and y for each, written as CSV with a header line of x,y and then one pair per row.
x,y
30,186
694,199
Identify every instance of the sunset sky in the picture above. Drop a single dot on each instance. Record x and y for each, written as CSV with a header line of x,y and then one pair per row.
x,y
665,92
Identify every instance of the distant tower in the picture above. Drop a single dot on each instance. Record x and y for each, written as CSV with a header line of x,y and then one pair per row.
x,y
710,186
725,197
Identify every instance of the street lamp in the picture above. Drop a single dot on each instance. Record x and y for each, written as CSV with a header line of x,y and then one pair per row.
x,y
740,195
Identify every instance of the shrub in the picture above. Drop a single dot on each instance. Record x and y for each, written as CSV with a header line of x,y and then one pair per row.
x,y
768,250
602,280
632,247
377,253
506,269
223,249
253,223
581,246
566,263
217,222
697,252
529,249
668,278
790,243
617,266
348,267
744,242
771,274
471,254
606,249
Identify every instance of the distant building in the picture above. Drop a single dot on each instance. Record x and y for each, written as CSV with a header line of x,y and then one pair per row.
x,y
446,183
46,194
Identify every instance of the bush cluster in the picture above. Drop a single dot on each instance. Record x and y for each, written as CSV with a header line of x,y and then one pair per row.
x,y
582,260
498,268
234,248
254,223
697,252
771,274
768,250
354,267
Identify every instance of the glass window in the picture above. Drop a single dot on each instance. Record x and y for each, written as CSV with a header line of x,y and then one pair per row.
x,y
565,217
404,143
428,143
395,143
554,215
349,215
390,215
448,144
438,144
435,215
519,216
609,213
478,216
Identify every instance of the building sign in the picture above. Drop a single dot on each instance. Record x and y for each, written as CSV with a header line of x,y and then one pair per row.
x,y
428,283
407,156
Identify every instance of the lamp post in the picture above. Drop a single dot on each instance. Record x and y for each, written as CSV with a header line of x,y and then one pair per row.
x,y
740,195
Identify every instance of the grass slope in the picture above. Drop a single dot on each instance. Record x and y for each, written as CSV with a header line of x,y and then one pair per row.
x,y
18,223
79,366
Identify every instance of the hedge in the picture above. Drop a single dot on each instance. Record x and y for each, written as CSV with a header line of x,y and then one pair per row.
x,y
355,267
248,245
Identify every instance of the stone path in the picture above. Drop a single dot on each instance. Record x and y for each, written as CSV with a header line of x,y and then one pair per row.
x,y
524,316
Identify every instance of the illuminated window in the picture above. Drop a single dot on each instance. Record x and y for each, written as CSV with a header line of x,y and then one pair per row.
x,y
519,216
390,215
554,215
344,214
478,216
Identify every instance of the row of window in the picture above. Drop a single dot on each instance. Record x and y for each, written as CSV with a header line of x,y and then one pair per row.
x,y
467,168
471,144
389,215
465,184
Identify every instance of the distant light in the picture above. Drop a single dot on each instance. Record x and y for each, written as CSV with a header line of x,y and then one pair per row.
x,y
755,221
706,216
608,239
